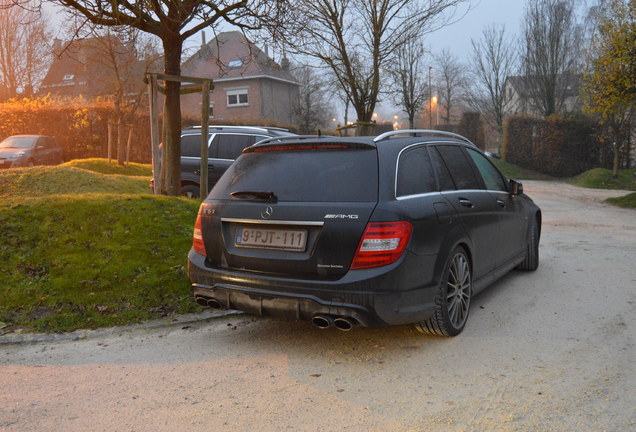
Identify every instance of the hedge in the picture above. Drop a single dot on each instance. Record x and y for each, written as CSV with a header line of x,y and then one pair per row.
x,y
80,126
560,146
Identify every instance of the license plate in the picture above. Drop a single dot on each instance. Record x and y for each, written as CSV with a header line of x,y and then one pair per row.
x,y
265,238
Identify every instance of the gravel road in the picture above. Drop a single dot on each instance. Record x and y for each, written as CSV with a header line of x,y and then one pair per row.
x,y
552,350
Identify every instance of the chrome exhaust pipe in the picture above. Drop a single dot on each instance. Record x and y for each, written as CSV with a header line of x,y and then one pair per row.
x,y
215,304
322,321
201,301
344,323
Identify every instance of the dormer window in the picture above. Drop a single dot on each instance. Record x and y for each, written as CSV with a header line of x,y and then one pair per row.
x,y
235,63
69,77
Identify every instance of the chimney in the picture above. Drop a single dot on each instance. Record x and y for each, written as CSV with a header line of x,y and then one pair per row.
x,y
284,62
203,52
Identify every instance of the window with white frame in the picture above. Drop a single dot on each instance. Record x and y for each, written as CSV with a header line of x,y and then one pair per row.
x,y
237,97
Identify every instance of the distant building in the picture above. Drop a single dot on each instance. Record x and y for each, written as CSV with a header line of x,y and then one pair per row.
x,y
248,85
87,67
520,92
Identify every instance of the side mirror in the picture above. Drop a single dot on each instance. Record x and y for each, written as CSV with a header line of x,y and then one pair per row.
x,y
515,187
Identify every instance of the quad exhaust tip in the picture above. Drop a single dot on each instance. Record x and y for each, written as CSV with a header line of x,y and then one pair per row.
x,y
341,323
209,302
322,321
344,323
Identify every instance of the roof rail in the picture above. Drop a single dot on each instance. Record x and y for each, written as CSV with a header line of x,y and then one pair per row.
x,y
261,128
421,131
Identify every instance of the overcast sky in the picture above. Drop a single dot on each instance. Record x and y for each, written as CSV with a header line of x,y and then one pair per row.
x,y
456,37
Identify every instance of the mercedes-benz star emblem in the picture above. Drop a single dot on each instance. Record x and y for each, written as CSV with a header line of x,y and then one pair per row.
x,y
267,212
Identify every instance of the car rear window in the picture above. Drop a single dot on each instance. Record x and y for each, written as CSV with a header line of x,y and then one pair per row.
x,y
346,175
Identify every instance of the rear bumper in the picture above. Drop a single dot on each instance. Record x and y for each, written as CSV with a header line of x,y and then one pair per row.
x,y
373,297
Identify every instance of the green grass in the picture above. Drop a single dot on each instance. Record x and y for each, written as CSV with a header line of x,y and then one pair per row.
x,y
627,201
600,178
82,249
25,183
102,166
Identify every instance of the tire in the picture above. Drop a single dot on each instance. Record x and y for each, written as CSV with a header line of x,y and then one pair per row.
x,y
453,298
531,263
30,163
190,191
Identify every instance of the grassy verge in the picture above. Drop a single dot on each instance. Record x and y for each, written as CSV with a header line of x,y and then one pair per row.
x,y
82,249
102,166
600,178
627,201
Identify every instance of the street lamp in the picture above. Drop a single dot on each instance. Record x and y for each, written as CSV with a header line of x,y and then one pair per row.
x,y
430,99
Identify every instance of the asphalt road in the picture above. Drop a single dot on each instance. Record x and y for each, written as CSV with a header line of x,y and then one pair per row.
x,y
551,350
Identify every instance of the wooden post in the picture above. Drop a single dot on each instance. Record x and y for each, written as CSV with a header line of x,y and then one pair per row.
x,y
205,120
154,133
110,140
130,135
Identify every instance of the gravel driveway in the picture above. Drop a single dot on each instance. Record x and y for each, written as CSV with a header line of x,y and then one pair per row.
x,y
551,350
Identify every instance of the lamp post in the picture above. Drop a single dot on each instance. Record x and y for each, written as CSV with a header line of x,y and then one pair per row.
x,y
430,99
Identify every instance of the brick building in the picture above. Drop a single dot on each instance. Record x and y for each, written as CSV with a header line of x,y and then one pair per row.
x,y
249,87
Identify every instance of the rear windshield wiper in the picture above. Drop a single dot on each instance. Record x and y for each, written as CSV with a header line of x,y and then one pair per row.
x,y
258,195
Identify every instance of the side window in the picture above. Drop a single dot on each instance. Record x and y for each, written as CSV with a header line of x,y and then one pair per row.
x,y
191,145
459,167
414,173
490,174
443,175
231,146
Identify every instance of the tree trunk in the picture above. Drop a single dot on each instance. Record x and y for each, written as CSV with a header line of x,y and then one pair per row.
x,y
616,160
172,116
121,139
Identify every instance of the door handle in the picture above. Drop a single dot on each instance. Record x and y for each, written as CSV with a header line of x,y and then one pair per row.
x,y
466,203
501,203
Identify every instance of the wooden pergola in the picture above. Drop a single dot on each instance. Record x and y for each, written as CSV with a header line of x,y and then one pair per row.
x,y
204,86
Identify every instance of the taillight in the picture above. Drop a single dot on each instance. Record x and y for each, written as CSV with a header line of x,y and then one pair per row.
x,y
197,237
382,243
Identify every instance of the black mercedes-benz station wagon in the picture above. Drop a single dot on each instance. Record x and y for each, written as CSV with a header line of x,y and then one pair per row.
x,y
402,228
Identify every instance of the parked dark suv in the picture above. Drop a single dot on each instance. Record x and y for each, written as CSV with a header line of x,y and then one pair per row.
x,y
225,144
361,231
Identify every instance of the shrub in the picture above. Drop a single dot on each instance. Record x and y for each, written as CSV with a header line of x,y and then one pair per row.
x,y
561,146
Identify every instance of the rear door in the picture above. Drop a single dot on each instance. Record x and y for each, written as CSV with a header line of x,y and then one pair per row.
x,y
475,207
292,211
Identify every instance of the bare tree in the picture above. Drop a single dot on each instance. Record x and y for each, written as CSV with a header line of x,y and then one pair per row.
x,y
24,47
312,109
408,85
451,82
173,22
492,61
355,39
551,53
